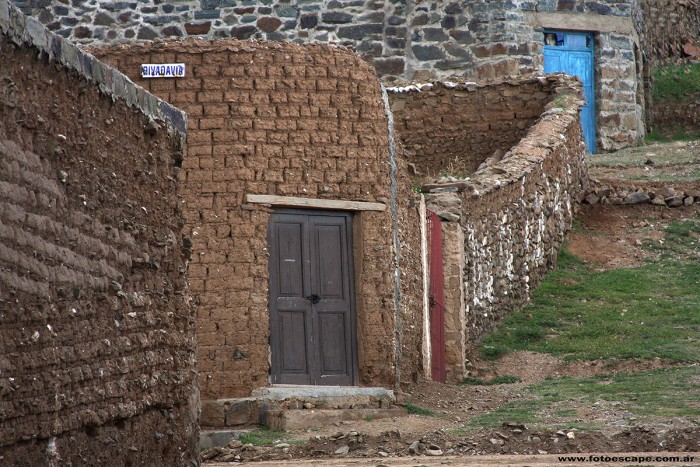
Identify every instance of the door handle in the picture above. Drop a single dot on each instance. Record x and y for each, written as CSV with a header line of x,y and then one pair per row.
x,y
314,298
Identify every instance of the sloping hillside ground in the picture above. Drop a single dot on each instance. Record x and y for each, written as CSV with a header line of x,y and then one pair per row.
x,y
605,358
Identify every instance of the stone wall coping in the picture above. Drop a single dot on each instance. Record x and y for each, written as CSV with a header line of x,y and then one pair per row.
x,y
28,31
472,86
542,139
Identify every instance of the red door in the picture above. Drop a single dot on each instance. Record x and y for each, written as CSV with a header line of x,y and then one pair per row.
x,y
437,299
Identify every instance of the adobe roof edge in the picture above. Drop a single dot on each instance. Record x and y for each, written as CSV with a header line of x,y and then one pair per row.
x,y
28,31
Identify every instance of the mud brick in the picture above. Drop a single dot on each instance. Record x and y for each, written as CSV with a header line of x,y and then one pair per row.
x,y
206,70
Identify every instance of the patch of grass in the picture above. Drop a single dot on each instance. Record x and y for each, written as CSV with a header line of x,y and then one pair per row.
x,y
676,83
660,393
417,410
263,437
656,136
584,314
681,239
500,379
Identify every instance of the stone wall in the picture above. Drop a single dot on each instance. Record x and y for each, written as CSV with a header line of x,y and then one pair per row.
x,y
453,128
405,41
96,332
289,120
668,30
504,225
670,118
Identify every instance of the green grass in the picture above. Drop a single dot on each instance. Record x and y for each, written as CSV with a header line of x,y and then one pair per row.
x,y
417,410
501,379
583,314
676,83
669,135
662,393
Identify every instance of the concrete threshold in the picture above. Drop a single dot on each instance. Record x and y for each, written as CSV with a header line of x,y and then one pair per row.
x,y
280,392
315,418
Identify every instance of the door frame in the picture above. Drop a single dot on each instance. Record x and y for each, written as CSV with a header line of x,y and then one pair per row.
x,y
349,252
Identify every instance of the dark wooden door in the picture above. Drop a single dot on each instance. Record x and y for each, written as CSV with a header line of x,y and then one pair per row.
x,y
312,322
437,300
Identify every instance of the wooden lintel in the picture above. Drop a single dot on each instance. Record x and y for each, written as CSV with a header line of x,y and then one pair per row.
x,y
314,203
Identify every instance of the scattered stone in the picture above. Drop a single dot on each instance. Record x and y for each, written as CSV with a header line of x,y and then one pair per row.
x,y
591,198
414,447
688,201
674,202
433,450
658,201
638,198
571,435
309,405
281,445
342,450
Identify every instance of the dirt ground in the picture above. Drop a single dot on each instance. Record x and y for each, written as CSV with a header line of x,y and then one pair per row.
x,y
605,237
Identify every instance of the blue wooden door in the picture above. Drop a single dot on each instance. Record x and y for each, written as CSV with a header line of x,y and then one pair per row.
x,y
572,53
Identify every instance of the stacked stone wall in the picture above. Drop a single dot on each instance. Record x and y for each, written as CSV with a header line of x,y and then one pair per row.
x,y
289,120
452,129
405,40
666,28
96,331
512,215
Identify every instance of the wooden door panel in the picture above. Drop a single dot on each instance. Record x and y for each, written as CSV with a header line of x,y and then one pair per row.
x,y
329,245
289,246
311,302
292,328
332,339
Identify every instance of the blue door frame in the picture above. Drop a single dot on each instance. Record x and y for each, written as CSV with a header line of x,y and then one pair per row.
x,y
572,53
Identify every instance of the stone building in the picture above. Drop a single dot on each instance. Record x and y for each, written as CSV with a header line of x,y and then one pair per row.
x,y
414,41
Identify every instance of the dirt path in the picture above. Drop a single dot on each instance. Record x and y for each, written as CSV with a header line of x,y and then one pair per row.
x,y
658,460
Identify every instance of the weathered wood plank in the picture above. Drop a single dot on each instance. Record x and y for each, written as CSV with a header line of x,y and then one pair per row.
x,y
292,201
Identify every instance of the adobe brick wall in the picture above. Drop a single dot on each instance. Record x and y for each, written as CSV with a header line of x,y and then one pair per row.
x,y
281,119
504,226
454,128
96,333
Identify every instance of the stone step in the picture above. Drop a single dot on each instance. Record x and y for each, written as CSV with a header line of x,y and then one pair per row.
x,y
248,411
324,397
297,419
